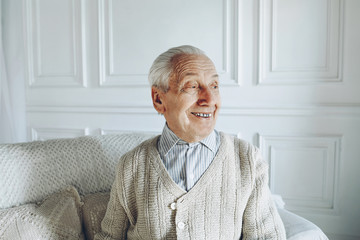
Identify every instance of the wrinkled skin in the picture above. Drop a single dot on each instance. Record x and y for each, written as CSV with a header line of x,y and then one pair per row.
x,y
192,103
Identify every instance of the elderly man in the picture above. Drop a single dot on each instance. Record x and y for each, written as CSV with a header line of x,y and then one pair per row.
x,y
191,182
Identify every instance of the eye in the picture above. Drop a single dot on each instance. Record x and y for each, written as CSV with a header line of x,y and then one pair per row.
x,y
190,87
214,86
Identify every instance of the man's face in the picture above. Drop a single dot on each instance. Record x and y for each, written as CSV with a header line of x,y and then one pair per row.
x,y
192,103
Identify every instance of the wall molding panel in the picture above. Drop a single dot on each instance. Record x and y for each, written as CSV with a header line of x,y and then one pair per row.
x,y
303,52
230,72
311,166
51,133
55,55
112,77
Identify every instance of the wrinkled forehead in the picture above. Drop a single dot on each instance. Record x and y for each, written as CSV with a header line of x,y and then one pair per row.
x,y
191,64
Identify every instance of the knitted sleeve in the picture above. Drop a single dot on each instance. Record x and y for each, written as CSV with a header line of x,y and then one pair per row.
x,y
115,222
261,219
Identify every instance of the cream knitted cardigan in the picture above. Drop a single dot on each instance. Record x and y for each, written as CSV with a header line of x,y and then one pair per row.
x,y
231,199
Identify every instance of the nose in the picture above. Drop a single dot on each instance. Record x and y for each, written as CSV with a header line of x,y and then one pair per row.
x,y
207,96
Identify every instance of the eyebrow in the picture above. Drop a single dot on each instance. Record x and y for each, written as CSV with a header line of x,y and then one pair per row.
x,y
195,74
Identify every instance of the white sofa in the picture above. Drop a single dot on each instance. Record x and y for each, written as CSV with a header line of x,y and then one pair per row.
x,y
59,189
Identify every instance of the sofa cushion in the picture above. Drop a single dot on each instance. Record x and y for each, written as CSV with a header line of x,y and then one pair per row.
x,y
30,171
93,212
57,217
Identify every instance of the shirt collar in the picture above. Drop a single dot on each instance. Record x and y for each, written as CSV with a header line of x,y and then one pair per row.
x,y
169,139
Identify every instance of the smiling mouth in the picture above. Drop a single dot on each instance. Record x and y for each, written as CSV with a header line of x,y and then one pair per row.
x,y
202,115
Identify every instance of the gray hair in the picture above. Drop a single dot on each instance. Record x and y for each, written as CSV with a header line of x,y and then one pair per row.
x,y
162,68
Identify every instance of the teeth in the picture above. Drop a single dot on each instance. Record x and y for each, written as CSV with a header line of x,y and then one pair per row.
x,y
205,115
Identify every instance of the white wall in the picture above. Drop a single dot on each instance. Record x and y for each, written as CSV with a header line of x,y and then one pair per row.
x,y
290,83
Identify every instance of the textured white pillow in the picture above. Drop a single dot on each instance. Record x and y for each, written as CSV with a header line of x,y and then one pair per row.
x,y
57,217
94,210
30,171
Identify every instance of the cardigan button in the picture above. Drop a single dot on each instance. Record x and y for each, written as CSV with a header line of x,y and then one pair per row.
x,y
173,206
181,225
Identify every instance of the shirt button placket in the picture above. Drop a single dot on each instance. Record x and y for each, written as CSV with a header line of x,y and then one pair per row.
x,y
189,167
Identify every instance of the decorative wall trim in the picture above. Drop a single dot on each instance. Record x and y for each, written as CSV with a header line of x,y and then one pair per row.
x,y
272,74
50,133
229,75
331,110
93,109
119,131
327,150
36,76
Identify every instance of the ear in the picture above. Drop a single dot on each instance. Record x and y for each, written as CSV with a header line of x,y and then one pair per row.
x,y
157,98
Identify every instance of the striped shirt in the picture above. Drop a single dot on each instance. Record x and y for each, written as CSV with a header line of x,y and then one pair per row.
x,y
186,162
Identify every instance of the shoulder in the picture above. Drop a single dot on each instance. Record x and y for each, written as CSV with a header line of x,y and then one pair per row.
x,y
144,146
130,160
241,147
246,155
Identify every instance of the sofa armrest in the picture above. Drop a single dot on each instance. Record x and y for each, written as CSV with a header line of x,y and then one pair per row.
x,y
298,228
